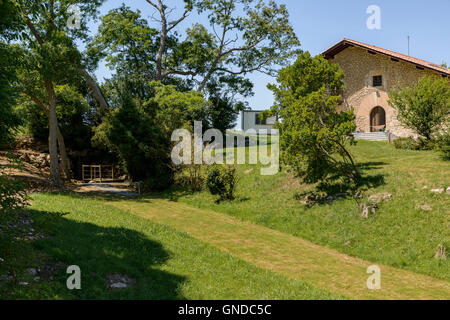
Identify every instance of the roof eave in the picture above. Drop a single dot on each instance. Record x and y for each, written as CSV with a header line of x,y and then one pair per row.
x,y
345,43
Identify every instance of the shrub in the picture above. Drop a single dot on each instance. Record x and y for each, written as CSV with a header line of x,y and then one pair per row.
x,y
12,192
191,176
444,145
142,148
406,144
413,144
423,107
221,181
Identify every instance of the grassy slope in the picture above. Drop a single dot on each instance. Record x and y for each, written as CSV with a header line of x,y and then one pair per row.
x,y
400,234
167,264
285,254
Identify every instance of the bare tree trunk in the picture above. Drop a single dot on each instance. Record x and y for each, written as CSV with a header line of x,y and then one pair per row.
x,y
55,177
65,161
95,90
165,29
162,47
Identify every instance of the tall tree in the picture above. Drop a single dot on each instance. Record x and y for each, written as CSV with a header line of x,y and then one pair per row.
x,y
8,63
49,51
247,36
314,133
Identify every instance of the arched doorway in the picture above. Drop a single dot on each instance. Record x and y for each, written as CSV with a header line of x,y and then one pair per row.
x,y
377,119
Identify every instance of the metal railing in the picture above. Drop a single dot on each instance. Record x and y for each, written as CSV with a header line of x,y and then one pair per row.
x,y
97,173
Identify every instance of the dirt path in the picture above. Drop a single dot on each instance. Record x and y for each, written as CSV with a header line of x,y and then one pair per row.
x,y
105,188
286,254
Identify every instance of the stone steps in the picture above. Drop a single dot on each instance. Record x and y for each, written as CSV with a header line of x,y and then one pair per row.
x,y
372,136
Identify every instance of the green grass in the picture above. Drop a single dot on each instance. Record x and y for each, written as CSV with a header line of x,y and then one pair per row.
x,y
399,235
166,264
282,253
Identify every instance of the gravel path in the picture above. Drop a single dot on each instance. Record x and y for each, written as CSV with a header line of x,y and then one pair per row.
x,y
109,189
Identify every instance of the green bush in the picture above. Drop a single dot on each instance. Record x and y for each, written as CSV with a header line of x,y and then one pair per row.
x,y
12,192
191,176
405,143
221,181
413,144
424,107
142,148
444,145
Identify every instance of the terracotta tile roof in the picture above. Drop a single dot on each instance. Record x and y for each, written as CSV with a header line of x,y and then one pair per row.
x,y
345,43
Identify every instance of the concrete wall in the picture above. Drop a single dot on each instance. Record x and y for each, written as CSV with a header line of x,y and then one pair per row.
x,y
359,67
248,121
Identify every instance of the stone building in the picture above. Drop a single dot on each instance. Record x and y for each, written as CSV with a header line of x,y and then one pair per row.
x,y
370,73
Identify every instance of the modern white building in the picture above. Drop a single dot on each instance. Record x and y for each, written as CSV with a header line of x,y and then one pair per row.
x,y
250,119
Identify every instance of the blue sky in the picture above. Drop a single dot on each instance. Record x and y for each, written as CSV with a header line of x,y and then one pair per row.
x,y
321,23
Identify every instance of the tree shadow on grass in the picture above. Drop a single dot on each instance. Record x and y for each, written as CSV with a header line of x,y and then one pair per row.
x,y
102,251
336,187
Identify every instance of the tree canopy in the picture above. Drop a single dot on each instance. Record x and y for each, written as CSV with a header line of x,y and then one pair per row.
x,y
423,107
314,133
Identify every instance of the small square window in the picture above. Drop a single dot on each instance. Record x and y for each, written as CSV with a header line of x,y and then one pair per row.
x,y
377,81
259,121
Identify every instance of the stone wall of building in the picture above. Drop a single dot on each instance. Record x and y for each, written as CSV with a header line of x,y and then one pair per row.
x,y
360,67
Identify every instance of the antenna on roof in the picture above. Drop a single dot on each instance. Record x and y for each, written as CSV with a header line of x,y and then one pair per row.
x,y
408,44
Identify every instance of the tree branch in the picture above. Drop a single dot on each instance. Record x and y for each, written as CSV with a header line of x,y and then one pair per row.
x,y
32,28
95,89
175,23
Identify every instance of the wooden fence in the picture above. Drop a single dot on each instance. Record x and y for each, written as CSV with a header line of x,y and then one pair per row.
x,y
97,173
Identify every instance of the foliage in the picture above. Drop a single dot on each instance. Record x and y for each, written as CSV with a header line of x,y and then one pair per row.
x,y
222,181
414,144
191,176
9,119
443,145
129,45
406,144
12,192
254,36
138,140
72,111
141,135
313,132
173,109
49,57
224,107
424,107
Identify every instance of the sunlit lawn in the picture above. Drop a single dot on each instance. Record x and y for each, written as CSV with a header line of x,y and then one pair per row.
x,y
400,234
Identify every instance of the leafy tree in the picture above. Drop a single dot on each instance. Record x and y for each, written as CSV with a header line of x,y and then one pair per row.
x,y
137,138
245,36
314,134
129,46
72,110
224,106
423,107
50,56
173,109
9,120
141,135
12,191
8,63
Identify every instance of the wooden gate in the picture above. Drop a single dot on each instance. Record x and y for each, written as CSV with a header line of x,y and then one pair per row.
x,y
97,173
